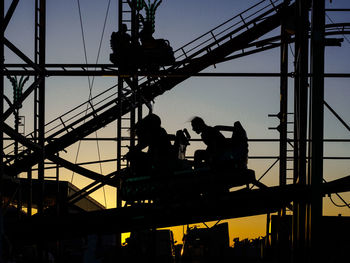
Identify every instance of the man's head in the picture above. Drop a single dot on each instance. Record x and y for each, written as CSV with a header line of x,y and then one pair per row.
x,y
148,124
124,28
198,124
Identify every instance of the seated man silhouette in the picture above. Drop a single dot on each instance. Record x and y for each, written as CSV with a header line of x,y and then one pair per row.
x,y
121,46
159,157
213,138
239,141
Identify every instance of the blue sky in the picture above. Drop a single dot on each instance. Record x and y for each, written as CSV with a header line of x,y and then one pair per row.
x,y
218,100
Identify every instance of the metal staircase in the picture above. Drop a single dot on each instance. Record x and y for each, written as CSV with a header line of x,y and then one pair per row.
x,y
233,36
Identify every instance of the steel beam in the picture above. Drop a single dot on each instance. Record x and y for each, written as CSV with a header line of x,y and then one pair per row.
x,y
56,159
21,55
316,127
337,116
300,125
283,114
116,73
39,103
2,59
9,14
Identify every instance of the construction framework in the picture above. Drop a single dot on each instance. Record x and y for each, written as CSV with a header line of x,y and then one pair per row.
x,y
134,91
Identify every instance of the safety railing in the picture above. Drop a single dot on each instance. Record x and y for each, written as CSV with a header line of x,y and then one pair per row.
x,y
226,31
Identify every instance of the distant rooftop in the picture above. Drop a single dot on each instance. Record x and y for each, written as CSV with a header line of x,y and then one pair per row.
x,y
52,190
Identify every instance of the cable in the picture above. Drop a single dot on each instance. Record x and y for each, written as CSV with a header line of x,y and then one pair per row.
x,y
83,36
91,82
217,222
206,225
330,197
90,95
99,158
213,225
86,61
101,40
271,166
337,205
291,50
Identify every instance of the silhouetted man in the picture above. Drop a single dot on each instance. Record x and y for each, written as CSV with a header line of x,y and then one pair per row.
x,y
121,40
121,46
214,140
160,156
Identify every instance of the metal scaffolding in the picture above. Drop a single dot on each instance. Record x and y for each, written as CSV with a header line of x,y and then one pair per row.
x,y
134,90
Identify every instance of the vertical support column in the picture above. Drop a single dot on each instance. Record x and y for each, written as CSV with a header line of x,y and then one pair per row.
x,y
119,149
58,197
119,135
283,231
119,120
41,103
134,80
36,99
300,125
30,192
283,105
2,58
119,124
316,126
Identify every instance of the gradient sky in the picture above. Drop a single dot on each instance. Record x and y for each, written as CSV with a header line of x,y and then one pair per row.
x,y
218,100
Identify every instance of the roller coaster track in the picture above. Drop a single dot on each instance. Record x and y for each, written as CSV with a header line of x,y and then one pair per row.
x,y
232,36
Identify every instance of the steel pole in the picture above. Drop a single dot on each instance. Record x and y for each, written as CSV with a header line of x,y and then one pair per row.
x,y
283,105
316,127
41,105
119,125
300,125
2,58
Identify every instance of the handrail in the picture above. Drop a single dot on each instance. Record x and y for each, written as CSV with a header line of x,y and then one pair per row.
x,y
206,37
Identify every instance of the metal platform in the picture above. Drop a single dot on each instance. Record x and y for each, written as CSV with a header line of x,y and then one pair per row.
x,y
240,203
236,204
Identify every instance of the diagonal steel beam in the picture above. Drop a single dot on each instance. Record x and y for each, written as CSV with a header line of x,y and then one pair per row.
x,y
23,140
9,14
91,188
36,148
21,54
337,115
76,168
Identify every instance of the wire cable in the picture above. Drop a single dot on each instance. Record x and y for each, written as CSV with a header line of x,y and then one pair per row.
x,y
91,82
86,61
90,95
101,40
339,196
337,205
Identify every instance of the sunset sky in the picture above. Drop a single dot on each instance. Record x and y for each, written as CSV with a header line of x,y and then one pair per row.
x,y
218,100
